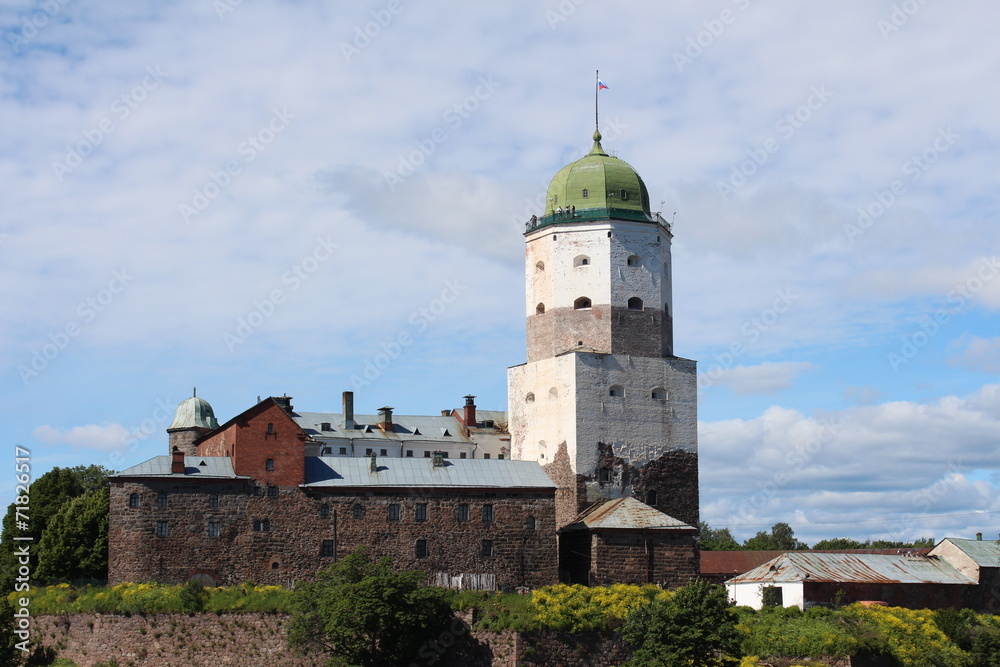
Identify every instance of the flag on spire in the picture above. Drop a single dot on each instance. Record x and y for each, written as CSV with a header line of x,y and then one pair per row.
x,y
601,85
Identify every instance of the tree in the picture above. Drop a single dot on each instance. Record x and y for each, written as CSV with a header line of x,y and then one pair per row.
x,y
75,542
48,494
839,543
695,626
367,614
716,539
781,538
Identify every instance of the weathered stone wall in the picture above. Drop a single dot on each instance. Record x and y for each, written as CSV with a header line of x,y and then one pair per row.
x,y
291,548
666,558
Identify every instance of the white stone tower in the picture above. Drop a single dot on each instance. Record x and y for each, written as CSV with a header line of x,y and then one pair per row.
x,y
602,402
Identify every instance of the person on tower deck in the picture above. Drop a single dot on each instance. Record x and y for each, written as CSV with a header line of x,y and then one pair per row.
x,y
559,211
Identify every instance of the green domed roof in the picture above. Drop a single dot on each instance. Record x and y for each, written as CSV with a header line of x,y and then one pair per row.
x,y
599,181
194,413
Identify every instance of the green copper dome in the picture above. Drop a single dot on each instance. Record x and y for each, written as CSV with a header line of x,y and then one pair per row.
x,y
194,413
599,181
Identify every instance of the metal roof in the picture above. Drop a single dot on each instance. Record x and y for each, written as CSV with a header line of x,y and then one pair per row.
x,y
798,566
194,412
625,514
335,471
986,553
194,466
738,562
404,427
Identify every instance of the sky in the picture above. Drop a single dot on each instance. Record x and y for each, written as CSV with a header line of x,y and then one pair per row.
x,y
304,198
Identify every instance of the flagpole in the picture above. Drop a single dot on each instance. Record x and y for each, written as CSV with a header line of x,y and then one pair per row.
x,y
597,89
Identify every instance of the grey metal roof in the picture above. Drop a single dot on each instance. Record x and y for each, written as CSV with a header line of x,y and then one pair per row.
x,y
854,568
625,514
194,412
404,427
986,553
194,466
330,471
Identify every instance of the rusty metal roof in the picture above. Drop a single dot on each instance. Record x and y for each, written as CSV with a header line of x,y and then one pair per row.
x,y
625,514
798,566
733,563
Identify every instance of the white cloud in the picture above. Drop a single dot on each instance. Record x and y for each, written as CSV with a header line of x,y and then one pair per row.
x,y
981,355
765,378
103,437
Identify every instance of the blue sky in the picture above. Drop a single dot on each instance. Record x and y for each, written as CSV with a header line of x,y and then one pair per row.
x,y
267,198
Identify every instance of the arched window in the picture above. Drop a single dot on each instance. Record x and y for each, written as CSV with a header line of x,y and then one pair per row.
x,y
586,193
530,398
553,393
635,303
269,465
539,266
530,523
357,511
581,303
660,394
634,260
540,309
581,260
616,390
651,497
133,500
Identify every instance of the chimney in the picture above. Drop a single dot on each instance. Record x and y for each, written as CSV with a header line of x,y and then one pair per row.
x,y
470,411
437,459
385,419
979,536
446,413
374,466
285,402
177,462
348,409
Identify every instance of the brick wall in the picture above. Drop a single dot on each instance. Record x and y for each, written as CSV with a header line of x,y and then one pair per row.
x,y
292,546
661,557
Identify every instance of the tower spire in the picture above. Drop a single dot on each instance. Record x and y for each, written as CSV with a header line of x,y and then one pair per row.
x,y
597,89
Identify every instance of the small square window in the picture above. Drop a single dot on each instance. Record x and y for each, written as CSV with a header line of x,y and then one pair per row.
x,y
368,451
326,550
213,529
324,511
604,475
420,549
487,549
462,512
161,500
161,528
393,512
133,500
383,452
487,512
486,456
213,500
427,455
409,453
343,451
462,455
500,457
420,512
257,492
272,492
262,525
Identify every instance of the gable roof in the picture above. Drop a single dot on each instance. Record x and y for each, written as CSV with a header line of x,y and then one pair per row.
x,y
985,553
194,466
734,563
799,566
411,428
625,514
348,472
